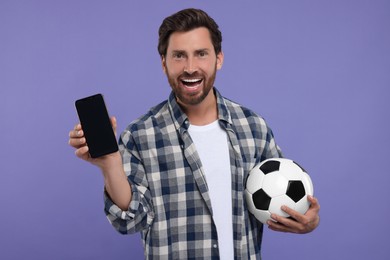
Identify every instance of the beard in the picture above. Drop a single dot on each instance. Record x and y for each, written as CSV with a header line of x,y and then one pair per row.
x,y
190,98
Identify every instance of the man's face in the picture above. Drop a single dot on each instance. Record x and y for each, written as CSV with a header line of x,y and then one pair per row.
x,y
191,65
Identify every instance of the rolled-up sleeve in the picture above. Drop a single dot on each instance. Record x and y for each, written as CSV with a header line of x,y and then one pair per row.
x,y
139,214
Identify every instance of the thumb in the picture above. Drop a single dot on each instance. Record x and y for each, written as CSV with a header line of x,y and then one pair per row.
x,y
114,124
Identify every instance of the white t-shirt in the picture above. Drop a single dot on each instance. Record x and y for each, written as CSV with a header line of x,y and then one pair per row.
x,y
211,143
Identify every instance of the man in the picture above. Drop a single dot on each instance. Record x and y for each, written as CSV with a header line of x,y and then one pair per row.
x,y
179,176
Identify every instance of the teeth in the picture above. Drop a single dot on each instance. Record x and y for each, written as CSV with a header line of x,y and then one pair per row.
x,y
191,80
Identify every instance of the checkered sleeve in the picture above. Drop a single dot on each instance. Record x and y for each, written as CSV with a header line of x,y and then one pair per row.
x,y
140,212
272,150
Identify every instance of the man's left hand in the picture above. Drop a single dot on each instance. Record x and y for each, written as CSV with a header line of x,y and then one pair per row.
x,y
300,224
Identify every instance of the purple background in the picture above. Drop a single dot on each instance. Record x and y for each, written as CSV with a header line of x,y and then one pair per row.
x,y
318,71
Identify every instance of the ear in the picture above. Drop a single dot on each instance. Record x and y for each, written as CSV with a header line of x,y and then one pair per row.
x,y
219,60
163,64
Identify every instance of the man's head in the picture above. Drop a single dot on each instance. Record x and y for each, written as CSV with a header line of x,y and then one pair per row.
x,y
186,20
190,49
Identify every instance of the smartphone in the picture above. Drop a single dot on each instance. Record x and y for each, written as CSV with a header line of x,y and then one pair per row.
x,y
96,124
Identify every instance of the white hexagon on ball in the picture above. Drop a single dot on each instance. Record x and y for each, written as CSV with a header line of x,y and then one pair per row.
x,y
275,184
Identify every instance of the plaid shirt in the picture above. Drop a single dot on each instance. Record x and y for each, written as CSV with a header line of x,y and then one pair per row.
x,y
171,205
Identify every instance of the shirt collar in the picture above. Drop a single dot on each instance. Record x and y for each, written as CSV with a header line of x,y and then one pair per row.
x,y
180,118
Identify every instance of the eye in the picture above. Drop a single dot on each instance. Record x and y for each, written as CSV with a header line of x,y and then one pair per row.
x,y
178,55
202,54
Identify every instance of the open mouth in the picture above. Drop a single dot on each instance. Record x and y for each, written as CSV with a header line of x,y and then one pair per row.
x,y
191,83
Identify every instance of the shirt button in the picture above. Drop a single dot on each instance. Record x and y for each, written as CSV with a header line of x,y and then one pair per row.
x,y
215,245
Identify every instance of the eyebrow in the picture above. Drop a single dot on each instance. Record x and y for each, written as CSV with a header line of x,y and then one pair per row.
x,y
179,52
196,51
203,50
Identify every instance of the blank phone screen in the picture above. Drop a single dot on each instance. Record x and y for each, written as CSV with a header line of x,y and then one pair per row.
x,y
96,125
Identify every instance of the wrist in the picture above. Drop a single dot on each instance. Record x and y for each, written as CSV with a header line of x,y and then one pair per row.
x,y
112,164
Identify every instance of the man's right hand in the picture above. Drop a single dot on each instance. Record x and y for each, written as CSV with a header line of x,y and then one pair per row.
x,y
77,140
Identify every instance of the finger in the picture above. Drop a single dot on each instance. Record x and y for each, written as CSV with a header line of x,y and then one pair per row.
x,y
305,219
294,214
76,137
313,202
77,127
82,152
288,222
114,123
77,142
278,225
314,206
76,133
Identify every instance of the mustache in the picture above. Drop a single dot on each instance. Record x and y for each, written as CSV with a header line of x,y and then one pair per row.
x,y
190,75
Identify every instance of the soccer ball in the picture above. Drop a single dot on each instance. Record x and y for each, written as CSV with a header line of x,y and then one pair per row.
x,y
276,182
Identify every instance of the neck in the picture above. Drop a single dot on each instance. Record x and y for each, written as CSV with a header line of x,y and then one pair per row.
x,y
204,113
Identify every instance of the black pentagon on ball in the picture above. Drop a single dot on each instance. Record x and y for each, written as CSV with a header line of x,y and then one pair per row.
x,y
295,190
270,166
261,200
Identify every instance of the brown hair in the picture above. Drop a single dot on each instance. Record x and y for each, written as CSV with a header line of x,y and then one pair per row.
x,y
184,21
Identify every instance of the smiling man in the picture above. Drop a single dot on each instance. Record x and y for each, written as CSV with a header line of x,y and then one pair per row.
x,y
179,176
191,64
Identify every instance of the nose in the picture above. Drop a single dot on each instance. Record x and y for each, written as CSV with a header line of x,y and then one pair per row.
x,y
190,66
